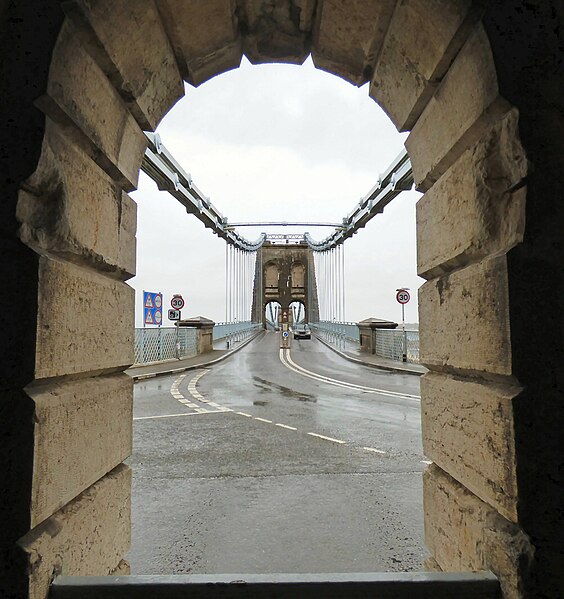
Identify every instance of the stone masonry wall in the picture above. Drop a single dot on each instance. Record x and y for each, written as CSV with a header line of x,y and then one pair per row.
x,y
486,129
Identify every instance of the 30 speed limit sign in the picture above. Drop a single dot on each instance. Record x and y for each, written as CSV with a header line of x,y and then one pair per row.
x,y
403,296
177,302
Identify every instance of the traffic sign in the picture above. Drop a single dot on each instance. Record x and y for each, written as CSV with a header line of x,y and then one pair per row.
x,y
152,308
402,296
177,302
285,334
174,314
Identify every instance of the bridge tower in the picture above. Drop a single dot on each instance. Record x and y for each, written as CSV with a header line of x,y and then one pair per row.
x,y
285,273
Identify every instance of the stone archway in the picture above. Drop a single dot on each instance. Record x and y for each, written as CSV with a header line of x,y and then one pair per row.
x,y
489,243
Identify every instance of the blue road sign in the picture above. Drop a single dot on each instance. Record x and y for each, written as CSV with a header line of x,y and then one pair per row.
x,y
152,308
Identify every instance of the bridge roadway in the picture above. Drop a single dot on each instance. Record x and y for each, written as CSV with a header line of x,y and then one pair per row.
x,y
277,463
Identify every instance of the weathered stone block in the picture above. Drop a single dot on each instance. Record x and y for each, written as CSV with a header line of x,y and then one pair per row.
x,y
82,431
146,75
468,431
463,533
471,210
276,32
89,536
204,36
347,36
464,320
80,97
431,565
415,56
84,323
71,208
123,569
462,109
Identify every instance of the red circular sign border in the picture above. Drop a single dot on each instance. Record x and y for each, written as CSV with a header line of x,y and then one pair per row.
x,y
403,291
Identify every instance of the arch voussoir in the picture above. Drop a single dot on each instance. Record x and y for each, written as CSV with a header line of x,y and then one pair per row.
x,y
347,37
417,53
205,36
133,51
276,32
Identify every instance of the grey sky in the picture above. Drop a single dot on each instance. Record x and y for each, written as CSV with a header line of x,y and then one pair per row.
x,y
276,142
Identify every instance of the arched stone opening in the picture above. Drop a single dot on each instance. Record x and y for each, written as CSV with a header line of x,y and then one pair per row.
x,y
297,312
297,278
489,243
272,314
271,279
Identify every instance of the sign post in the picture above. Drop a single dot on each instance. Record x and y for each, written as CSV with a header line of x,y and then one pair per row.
x,y
402,297
176,303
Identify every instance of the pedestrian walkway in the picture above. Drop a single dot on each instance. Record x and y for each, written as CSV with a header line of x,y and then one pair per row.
x,y
219,352
351,351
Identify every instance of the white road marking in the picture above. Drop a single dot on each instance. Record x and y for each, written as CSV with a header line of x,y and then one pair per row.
x,y
290,428
374,450
194,393
426,462
177,415
263,420
244,414
328,438
286,359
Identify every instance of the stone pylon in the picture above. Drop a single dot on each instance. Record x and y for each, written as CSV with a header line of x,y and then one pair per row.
x,y
285,274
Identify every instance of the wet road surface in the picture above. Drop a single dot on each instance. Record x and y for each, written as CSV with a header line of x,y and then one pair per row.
x,y
277,462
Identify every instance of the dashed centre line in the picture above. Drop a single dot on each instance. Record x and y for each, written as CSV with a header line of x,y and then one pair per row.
x,y
290,428
196,395
374,450
328,438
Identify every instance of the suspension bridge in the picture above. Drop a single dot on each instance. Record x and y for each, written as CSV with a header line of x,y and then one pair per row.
x,y
279,274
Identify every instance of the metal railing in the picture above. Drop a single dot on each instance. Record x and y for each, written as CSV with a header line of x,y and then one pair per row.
x,y
389,343
165,343
234,332
336,333
169,343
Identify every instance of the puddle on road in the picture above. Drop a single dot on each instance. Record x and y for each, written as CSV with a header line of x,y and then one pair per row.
x,y
270,387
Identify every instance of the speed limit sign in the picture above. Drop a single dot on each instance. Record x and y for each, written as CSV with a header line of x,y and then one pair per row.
x,y
177,302
403,296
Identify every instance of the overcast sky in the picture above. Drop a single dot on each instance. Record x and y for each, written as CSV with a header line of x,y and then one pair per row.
x,y
276,142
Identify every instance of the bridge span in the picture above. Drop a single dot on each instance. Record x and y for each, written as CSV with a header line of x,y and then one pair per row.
x,y
283,451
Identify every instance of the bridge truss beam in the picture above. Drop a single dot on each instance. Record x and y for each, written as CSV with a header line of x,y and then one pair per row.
x,y
160,165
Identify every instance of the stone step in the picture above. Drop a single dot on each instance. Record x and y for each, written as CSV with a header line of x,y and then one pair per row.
x,y
387,585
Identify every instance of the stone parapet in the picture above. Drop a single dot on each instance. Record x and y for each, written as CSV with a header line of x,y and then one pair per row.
x,y
367,332
204,327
